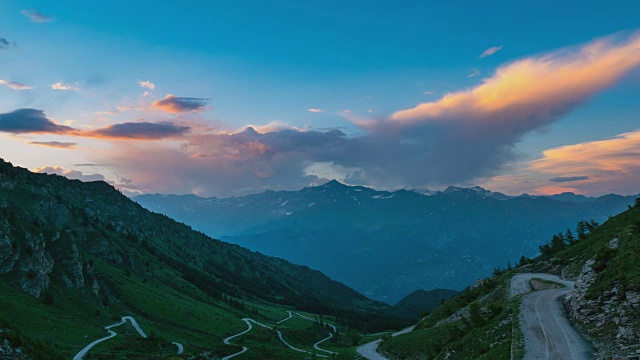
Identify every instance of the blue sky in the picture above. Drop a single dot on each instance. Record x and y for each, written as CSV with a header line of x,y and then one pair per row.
x,y
257,63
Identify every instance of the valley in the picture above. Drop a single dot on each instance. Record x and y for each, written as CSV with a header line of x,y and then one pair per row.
x,y
388,244
303,180
72,262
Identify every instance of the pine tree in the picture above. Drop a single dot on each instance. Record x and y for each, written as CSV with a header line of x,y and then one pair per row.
x,y
557,243
581,229
545,249
568,236
523,261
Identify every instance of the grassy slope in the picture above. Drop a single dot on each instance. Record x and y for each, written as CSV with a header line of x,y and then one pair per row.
x,y
154,279
418,302
497,334
485,336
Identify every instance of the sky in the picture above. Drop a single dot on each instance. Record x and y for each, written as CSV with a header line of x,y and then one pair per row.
x,y
230,98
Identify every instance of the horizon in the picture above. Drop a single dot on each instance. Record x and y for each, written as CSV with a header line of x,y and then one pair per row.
x,y
226,102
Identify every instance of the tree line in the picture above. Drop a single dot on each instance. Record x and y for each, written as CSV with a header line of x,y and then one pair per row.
x,y
561,241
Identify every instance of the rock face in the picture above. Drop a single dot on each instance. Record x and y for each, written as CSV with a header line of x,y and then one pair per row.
x,y
613,313
9,352
32,258
539,284
35,265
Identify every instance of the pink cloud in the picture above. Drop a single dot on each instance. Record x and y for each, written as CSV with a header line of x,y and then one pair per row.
x,y
15,85
490,51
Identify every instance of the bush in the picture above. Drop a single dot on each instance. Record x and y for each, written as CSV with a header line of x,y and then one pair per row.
x,y
47,298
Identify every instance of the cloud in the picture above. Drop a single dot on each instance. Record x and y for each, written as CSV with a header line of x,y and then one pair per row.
x,y
471,134
139,130
147,84
612,165
474,74
4,43
69,173
562,179
174,105
55,144
30,121
490,51
129,108
36,16
553,190
122,184
65,87
15,85
458,138
315,110
227,163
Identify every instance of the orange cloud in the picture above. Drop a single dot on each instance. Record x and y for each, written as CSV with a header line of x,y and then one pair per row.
x,y
612,165
618,155
538,87
552,190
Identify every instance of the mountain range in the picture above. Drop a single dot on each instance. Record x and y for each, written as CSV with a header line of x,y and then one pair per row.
x,y
389,244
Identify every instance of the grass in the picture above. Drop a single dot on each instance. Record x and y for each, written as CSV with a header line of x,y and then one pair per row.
x,y
178,313
517,337
485,334
555,285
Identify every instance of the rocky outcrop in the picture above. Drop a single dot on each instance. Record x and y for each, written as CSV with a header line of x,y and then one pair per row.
x,y
9,351
8,255
541,284
35,264
612,316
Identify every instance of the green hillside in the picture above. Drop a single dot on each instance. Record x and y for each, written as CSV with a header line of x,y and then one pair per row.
x,y
75,257
416,304
482,321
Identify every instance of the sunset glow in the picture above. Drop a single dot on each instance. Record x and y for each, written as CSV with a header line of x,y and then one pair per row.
x,y
226,109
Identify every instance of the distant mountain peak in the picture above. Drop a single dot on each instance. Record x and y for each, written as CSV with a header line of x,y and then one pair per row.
x,y
333,182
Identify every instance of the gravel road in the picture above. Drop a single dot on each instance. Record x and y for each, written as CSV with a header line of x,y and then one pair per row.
x,y
547,332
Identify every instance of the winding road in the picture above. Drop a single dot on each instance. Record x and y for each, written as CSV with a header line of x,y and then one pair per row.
x,y
248,321
547,332
112,334
179,346
315,346
370,349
